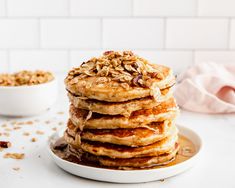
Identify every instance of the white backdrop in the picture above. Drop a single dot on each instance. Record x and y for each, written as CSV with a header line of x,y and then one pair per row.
x,y
58,34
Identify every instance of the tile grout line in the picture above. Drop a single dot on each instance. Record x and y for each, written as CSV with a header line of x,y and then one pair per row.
x,y
141,49
120,17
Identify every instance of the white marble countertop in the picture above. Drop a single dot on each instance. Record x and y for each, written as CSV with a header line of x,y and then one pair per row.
x,y
215,169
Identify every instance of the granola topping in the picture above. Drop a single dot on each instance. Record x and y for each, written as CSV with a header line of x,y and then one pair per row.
x,y
123,67
26,78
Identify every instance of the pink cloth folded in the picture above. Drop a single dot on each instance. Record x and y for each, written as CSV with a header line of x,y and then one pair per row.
x,y
207,88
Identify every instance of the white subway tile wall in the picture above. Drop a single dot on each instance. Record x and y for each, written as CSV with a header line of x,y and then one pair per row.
x,y
216,8
60,34
39,59
3,62
196,33
19,33
215,56
165,8
133,33
37,8
70,33
2,8
94,8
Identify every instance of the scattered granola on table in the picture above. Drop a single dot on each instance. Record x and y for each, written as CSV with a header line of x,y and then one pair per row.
x,y
61,123
39,132
14,155
33,139
16,168
5,144
60,113
47,122
6,134
26,134
4,125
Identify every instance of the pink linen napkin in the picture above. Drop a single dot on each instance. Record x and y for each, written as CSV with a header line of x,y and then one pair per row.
x,y
207,88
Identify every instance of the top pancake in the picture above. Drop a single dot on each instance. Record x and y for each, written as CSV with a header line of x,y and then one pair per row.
x,y
118,77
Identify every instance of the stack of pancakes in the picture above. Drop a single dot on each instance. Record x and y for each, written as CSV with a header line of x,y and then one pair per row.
x,y
122,112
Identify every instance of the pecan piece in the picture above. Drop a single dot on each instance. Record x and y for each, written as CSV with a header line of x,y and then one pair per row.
x,y
5,144
136,79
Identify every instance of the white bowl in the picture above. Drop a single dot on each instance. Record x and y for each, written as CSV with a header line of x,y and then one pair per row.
x,y
27,100
130,176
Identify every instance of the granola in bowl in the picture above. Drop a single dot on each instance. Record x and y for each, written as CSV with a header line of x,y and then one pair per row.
x,y
27,93
26,78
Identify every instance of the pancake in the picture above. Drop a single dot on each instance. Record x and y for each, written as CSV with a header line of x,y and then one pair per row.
x,y
122,113
73,140
130,163
140,136
118,151
118,77
165,110
122,108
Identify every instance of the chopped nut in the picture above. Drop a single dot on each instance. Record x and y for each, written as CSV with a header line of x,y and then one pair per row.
x,y
4,125
14,155
14,122
186,151
47,122
5,144
16,128
54,129
40,132
26,134
6,134
60,112
33,139
16,168
29,122
8,129
61,123
20,123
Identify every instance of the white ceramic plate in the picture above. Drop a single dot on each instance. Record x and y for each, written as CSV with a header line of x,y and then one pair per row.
x,y
130,176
